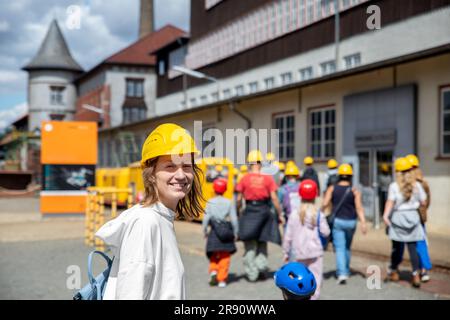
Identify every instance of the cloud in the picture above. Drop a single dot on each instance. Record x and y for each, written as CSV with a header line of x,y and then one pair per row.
x,y
4,26
12,114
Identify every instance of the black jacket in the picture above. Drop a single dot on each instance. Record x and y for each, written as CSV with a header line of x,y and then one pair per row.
x,y
310,173
259,223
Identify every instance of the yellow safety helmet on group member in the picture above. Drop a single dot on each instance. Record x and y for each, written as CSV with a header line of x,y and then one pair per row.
x,y
167,139
292,170
332,164
345,170
413,160
280,165
308,161
243,168
402,164
270,156
254,156
218,168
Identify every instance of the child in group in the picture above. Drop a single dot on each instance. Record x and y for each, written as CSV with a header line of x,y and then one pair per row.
x,y
296,281
302,241
222,235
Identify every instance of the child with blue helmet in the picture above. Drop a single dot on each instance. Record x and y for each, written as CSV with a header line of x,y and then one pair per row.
x,y
296,281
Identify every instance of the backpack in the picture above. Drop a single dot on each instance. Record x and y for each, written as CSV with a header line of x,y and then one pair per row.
x,y
291,199
95,289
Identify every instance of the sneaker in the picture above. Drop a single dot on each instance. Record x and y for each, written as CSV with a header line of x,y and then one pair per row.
x,y
393,275
342,279
424,277
415,280
222,284
213,278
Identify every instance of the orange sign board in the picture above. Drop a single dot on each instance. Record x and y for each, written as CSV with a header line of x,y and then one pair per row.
x,y
61,202
68,142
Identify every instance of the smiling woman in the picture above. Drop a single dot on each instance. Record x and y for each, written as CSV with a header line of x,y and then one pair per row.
x,y
147,263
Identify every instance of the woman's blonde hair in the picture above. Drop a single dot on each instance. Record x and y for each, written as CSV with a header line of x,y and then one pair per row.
x,y
406,181
305,207
187,208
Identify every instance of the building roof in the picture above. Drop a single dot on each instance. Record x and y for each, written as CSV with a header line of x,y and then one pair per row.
x,y
138,53
53,53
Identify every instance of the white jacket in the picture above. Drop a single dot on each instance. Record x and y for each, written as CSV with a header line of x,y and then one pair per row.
x,y
147,263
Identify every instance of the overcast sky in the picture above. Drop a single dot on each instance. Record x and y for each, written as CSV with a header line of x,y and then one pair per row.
x,y
106,27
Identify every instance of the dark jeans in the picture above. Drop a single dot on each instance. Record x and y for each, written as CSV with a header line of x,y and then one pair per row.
x,y
397,254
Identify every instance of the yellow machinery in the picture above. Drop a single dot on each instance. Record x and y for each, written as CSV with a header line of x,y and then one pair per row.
x,y
95,211
209,168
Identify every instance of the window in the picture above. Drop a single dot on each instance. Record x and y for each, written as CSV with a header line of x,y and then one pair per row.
x,y
56,95
352,61
253,86
306,73
135,88
204,99
445,121
269,83
161,67
328,67
57,116
239,90
215,96
285,123
322,133
176,58
133,114
286,78
227,94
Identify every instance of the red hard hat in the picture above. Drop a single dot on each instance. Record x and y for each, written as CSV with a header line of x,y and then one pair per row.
x,y
220,185
308,189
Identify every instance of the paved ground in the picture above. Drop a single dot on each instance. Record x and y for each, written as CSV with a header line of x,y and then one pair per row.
x,y
35,255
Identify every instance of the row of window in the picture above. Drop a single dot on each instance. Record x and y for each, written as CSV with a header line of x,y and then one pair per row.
x,y
286,78
267,23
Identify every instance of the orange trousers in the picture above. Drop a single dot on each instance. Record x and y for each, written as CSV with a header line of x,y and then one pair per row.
x,y
220,263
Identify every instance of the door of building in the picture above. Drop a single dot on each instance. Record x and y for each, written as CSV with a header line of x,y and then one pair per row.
x,y
375,175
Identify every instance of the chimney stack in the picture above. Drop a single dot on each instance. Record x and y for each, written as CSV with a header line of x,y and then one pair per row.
x,y
146,18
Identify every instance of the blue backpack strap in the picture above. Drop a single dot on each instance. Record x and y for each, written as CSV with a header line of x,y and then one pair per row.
x,y
108,261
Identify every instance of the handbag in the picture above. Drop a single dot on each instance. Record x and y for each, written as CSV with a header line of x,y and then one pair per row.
x,y
223,230
95,289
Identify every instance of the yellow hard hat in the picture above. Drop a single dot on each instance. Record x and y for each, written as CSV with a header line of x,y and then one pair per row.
x,y
280,165
219,167
345,170
414,160
243,168
254,156
270,156
332,164
291,170
235,171
308,160
167,139
402,164
290,163
384,167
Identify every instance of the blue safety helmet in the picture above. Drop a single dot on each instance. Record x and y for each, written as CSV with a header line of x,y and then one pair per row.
x,y
296,279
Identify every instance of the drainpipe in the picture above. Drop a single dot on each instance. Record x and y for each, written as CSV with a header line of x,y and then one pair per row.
x,y
232,106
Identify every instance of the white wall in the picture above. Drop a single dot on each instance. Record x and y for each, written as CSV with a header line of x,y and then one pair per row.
x,y
39,95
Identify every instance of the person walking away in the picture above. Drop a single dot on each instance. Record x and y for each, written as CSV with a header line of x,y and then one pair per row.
x,y
301,241
280,176
147,263
257,225
331,176
220,215
422,246
288,193
384,180
346,208
310,172
402,218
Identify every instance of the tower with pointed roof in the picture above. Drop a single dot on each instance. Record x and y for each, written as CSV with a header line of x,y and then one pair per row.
x,y
51,74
